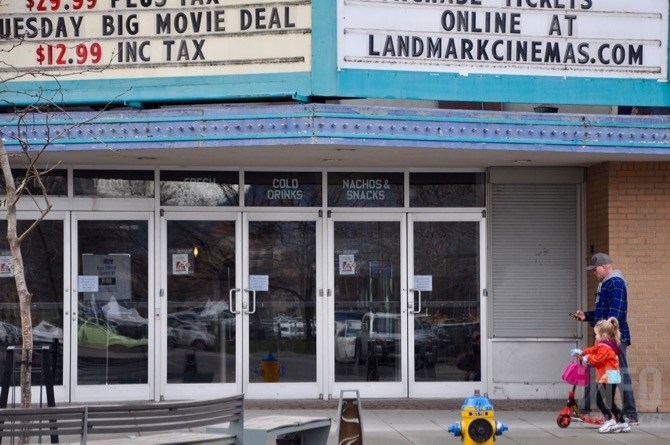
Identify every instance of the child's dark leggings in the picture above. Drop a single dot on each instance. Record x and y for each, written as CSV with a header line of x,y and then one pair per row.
x,y
606,403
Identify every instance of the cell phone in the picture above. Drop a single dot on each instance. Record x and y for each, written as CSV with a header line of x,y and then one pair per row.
x,y
574,315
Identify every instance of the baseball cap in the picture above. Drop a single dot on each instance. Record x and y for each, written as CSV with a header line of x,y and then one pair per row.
x,y
598,260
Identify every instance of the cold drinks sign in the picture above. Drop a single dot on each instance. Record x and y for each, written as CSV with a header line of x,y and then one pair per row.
x,y
579,38
140,38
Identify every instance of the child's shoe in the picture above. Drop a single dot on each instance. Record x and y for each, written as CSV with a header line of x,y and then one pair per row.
x,y
593,421
608,426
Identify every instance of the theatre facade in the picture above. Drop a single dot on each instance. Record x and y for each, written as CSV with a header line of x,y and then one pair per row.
x,y
289,199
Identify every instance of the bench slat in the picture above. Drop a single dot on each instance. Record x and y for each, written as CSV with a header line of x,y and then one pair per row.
x,y
131,418
270,423
168,439
314,430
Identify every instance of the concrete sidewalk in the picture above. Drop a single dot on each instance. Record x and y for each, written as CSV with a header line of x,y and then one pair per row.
x,y
429,427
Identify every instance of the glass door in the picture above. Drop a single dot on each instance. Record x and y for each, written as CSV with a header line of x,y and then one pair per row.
x,y
281,317
198,320
446,276
368,346
46,272
111,306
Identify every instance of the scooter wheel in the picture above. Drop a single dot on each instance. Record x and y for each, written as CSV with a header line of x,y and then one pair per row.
x,y
563,421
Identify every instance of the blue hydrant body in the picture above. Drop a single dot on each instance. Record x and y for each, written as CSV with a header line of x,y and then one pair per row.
x,y
477,425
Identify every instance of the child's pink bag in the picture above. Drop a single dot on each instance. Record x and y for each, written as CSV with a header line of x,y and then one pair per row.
x,y
576,373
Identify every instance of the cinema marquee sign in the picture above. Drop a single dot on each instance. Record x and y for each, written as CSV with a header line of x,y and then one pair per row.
x,y
570,38
153,38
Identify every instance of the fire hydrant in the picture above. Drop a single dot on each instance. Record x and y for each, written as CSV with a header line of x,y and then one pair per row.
x,y
270,368
477,426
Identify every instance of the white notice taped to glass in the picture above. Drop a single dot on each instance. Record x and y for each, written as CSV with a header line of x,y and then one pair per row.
x,y
87,283
259,283
424,283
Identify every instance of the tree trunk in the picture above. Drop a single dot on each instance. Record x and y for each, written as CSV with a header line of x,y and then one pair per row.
x,y
25,296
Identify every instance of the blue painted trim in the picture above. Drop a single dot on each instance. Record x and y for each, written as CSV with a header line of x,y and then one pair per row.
x,y
324,48
349,112
507,89
159,90
239,126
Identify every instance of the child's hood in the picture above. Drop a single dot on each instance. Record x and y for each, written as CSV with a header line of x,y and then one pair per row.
x,y
612,344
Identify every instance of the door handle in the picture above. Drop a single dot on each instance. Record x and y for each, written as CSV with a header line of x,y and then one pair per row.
x,y
411,309
231,293
252,307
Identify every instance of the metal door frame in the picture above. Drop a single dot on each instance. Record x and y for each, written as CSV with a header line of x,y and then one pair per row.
x,y
79,393
282,389
62,392
460,388
367,389
173,391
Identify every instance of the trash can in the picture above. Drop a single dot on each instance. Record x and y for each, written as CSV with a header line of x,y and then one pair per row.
x,y
270,369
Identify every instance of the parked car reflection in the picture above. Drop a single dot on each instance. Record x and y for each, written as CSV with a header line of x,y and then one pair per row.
x,y
381,332
9,334
96,340
346,333
45,332
425,345
185,332
122,315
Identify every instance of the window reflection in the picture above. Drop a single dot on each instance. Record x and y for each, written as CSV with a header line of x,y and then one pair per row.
x,y
447,190
54,182
365,189
446,332
199,188
290,189
284,323
112,331
114,183
200,327
367,301
43,266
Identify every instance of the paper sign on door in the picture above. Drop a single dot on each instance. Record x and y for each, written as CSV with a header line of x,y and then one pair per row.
x,y
424,283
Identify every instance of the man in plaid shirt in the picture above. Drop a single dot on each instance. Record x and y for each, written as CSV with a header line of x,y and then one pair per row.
x,y
612,301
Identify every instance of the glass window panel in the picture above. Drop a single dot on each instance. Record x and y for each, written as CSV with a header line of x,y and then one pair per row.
x,y
54,181
447,190
367,301
43,265
201,329
446,332
365,189
114,183
284,323
297,189
112,329
199,188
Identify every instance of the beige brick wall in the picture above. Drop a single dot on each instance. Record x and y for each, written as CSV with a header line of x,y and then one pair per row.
x,y
628,216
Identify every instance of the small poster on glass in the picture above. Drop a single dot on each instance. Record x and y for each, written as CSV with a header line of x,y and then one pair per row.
x,y
6,266
182,264
347,264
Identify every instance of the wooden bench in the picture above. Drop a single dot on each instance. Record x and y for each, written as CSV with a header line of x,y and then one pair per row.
x,y
129,423
256,431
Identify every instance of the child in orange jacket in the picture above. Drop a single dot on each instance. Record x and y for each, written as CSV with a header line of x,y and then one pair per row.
x,y
603,355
